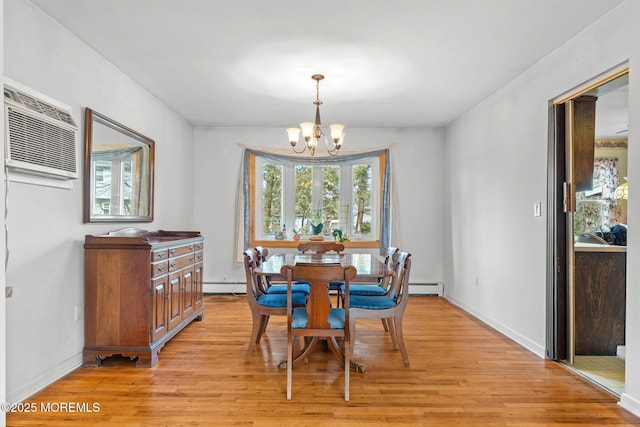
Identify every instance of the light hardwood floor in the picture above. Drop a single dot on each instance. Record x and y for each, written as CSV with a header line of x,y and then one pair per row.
x,y
462,373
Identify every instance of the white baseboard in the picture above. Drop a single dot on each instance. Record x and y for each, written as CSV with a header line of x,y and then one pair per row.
x,y
41,381
504,330
629,403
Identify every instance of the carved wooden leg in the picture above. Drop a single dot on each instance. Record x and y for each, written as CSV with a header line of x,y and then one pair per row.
x,y
400,339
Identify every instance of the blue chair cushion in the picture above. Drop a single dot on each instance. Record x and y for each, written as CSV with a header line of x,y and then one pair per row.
x,y
302,287
280,300
300,318
371,302
362,289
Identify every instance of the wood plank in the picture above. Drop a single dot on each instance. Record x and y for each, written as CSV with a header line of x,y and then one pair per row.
x,y
462,372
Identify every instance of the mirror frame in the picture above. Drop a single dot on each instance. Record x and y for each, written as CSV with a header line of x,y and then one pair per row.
x,y
91,118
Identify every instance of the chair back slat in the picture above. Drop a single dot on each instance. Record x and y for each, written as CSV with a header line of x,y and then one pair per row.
x,y
388,253
250,264
400,284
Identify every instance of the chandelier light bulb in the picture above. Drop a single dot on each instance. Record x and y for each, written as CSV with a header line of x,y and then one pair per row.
x,y
294,135
336,132
307,130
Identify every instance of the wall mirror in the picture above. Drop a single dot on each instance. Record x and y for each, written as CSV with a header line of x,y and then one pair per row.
x,y
118,172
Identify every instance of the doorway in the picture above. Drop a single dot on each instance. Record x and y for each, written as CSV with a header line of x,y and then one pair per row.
x,y
586,236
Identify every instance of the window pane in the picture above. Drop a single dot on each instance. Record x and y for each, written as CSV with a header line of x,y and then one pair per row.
x,y
331,197
271,198
102,188
362,199
303,201
127,176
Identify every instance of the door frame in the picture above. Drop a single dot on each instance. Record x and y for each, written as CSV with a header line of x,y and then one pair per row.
x,y
559,277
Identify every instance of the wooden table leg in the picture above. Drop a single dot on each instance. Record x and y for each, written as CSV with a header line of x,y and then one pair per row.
x,y
338,351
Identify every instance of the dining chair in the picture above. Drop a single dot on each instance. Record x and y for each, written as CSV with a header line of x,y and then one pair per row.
x,y
383,285
263,305
318,319
321,247
277,288
390,306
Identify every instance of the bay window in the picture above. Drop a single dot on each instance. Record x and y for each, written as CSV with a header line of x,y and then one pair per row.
x,y
287,195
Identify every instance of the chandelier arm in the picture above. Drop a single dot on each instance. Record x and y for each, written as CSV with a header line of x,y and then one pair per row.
x,y
304,147
335,148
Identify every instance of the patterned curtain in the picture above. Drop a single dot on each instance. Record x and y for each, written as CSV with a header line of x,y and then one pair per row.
x,y
599,209
605,175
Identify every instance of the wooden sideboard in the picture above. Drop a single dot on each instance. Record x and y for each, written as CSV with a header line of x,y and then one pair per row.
x,y
141,288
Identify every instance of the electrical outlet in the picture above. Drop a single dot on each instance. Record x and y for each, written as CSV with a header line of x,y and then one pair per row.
x,y
78,312
8,291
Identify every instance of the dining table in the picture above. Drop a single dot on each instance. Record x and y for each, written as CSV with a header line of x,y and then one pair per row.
x,y
370,268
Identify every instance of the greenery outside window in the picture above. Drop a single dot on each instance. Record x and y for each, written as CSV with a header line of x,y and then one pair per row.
x,y
292,193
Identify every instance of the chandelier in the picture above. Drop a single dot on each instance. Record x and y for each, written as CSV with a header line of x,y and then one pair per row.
x,y
312,132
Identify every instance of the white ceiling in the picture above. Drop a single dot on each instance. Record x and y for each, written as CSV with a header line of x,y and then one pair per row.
x,y
400,63
612,114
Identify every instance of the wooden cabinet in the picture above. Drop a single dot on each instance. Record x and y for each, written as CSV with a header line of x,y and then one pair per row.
x,y
600,300
141,288
584,138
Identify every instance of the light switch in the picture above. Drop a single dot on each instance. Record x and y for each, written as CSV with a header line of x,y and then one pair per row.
x,y
537,209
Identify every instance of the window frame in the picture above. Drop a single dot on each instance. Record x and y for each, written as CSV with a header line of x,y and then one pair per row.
x,y
255,193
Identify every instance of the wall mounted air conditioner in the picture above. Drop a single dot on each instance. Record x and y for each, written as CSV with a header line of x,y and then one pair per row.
x,y
40,135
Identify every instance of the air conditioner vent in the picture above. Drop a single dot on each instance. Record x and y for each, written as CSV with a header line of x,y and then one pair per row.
x,y
40,136
39,106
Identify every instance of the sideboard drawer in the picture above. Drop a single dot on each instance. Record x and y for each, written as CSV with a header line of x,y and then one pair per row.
x,y
181,262
181,250
159,255
160,268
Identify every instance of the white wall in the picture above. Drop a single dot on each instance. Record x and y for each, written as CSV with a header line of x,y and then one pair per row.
x,y
45,229
496,169
416,156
